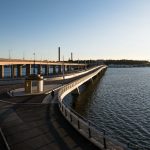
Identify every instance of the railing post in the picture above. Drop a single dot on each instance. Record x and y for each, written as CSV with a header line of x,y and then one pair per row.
x,y
62,108
65,112
70,117
89,129
78,124
104,139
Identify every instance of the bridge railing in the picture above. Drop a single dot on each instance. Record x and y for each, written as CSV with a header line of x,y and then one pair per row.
x,y
82,125
73,85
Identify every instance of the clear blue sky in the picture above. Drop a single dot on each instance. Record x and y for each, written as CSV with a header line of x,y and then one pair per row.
x,y
91,29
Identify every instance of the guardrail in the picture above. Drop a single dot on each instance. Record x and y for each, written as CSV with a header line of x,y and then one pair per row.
x,y
73,85
82,125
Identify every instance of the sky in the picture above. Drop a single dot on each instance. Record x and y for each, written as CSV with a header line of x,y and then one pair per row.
x,y
90,29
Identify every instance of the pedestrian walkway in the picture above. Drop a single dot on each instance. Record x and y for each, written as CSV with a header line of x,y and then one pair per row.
x,y
21,91
40,127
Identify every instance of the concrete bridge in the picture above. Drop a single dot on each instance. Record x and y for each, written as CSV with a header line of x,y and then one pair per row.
x,y
49,128
82,125
16,66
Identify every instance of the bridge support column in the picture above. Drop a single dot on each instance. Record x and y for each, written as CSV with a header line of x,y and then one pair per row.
x,y
19,70
65,68
54,69
46,70
80,67
68,68
1,71
28,69
76,91
13,71
92,80
39,70
72,68
59,69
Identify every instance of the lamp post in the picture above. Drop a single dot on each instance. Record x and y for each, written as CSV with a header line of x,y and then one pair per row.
x,y
9,64
78,63
34,64
63,72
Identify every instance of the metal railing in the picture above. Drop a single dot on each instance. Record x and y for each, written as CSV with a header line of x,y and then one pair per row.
x,y
82,125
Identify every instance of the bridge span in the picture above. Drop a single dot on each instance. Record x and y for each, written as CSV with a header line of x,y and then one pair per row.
x,y
82,125
16,67
41,126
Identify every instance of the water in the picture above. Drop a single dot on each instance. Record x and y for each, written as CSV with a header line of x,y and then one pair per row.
x,y
118,103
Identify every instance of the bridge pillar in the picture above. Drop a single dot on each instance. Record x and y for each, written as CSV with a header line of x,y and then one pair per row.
x,y
1,71
13,71
54,69
19,70
92,81
46,70
68,68
59,69
72,68
28,69
65,68
76,91
39,69
62,68
80,67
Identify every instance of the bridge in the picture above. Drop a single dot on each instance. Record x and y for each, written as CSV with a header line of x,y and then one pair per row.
x,y
30,124
82,125
16,67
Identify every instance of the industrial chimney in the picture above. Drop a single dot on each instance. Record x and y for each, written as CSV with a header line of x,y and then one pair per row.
x,y
71,56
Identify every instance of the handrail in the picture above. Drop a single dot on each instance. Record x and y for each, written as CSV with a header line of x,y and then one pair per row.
x,y
73,85
82,125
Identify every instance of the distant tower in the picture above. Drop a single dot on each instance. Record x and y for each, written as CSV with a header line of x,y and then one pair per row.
x,y
71,56
58,53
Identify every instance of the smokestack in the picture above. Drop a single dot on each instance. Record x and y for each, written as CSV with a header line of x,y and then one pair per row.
x,y
58,53
71,56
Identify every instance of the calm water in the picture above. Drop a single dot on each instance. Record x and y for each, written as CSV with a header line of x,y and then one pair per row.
x,y
118,103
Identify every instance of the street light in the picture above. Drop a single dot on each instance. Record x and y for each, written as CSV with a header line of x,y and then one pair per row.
x,y
63,72
34,64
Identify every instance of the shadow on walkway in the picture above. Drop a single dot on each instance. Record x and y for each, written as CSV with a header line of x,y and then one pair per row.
x,y
40,127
